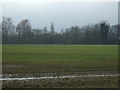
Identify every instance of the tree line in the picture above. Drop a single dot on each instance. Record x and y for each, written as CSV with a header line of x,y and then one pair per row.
x,y
23,33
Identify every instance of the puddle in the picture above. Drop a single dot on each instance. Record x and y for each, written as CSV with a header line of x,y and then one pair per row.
x,y
55,77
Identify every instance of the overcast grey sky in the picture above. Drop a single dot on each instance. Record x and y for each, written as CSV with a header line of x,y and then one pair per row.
x,y
63,14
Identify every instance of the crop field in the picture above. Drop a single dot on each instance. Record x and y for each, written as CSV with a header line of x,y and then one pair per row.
x,y
58,60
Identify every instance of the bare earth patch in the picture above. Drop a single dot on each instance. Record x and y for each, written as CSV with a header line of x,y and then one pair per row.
x,y
93,79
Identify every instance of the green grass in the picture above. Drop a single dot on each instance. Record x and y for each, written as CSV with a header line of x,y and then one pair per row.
x,y
37,60
59,53
47,58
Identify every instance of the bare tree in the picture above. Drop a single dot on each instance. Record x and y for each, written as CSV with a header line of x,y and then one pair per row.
x,y
7,27
24,30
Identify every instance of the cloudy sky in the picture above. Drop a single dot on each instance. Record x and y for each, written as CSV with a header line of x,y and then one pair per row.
x,y
62,14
